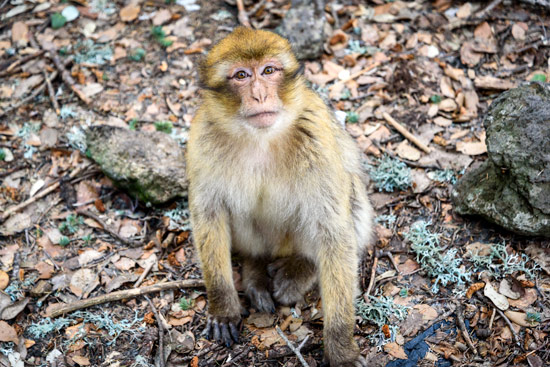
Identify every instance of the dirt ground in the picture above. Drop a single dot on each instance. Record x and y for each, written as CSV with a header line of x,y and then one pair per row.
x,y
434,66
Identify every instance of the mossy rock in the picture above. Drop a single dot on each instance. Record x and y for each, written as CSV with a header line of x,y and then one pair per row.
x,y
512,188
148,165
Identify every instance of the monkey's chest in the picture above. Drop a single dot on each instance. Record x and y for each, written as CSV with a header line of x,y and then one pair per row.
x,y
262,222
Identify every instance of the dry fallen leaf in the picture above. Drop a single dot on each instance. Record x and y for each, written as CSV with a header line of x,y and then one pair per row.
x,y
471,148
129,12
4,280
491,82
8,333
500,301
520,318
395,350
407,151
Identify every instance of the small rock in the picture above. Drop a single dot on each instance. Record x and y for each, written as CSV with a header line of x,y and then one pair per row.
x,y
150,166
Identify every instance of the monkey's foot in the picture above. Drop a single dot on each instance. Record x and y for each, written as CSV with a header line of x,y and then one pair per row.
x,y
222,329
292,278
260,299
359,362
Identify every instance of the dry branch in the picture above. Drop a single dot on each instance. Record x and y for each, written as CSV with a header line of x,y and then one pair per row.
x,y
293,348
61,309
413,139
40,195
243,16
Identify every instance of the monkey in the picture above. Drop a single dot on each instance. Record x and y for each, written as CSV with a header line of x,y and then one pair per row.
x,y
275,179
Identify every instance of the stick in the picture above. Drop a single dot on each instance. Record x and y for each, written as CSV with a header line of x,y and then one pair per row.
x,y
354,75
63,308
509,323
144,274
492,318
489,7
413,139
22,60
67,78
243,16
161,331
462,326
372,276
107,229
40,195
292,347
51,93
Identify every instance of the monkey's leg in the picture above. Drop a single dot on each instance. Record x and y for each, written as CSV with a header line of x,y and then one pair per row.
x,y
256,284
213,242
292,278
338,279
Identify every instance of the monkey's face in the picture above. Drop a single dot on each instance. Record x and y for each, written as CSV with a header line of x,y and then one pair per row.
x,y
257,85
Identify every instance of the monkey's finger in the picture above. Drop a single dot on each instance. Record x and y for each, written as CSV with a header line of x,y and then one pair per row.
x,y
234,332
207,332
225,335
216,327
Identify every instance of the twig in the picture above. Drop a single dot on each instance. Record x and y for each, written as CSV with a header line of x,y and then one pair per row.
x,y
389,255
292,347
67,78
413,139
372,276
509,323
51,92
40,195
144,274
61,309
482,14
354,75
161,331
243,16
107,229
492,318
22,60
462,326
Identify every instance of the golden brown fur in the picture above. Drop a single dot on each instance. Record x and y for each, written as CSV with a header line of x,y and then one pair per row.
x,y
287,197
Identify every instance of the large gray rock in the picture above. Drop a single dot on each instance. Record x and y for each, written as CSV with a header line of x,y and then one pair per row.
x,y
512,188
304,26
148,165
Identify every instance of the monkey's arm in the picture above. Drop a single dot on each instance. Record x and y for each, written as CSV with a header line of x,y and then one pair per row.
x,y
213,242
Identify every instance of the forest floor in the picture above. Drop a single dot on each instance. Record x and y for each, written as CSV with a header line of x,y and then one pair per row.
x,y
434,66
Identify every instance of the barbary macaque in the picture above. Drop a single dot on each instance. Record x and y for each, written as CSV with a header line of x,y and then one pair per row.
x,y
275,179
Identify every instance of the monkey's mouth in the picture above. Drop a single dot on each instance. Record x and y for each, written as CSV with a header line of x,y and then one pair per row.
x,y
262,119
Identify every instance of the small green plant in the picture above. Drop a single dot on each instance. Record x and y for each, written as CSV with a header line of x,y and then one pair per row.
x,y
539,78
160,36
57,20
71,223
436,98
380,311
390,174
443,265
533,317
403,292
87,239
133,124
346,94
447,175
163,126
352,117
64,241
137,54
186,303
500,263
2,154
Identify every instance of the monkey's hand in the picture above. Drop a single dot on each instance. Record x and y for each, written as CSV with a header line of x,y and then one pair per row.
x,y
222,329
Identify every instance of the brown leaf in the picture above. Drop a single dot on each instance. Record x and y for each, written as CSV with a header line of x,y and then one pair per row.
x,y
4,280
491,82
471,148
129,12
474,288
46,270
20,34
395,350
8,333
81,360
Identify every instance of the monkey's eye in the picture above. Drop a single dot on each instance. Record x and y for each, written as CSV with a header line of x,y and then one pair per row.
x,y
240,75
269,70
